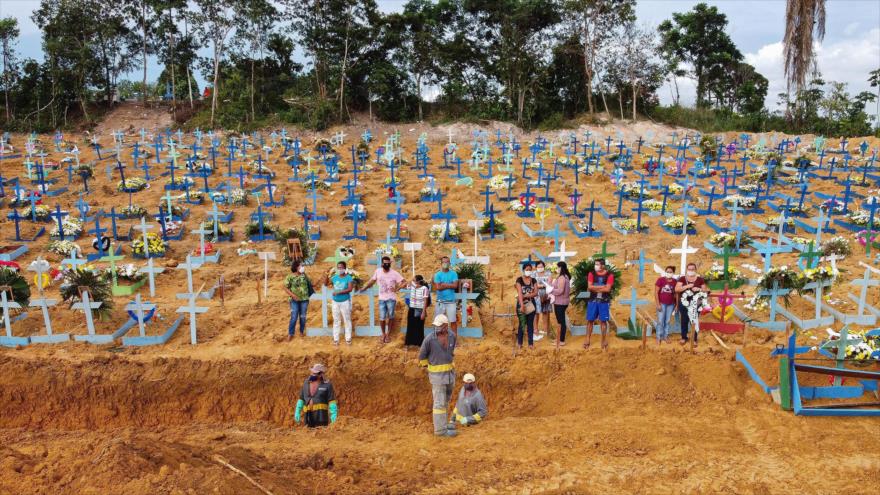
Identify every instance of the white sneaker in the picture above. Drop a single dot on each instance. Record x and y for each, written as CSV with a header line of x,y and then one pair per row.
x,y
537,337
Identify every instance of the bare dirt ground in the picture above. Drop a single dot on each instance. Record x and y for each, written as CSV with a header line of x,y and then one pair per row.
x,y
79,419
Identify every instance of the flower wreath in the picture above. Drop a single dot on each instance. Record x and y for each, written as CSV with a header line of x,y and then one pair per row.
x,y
696,303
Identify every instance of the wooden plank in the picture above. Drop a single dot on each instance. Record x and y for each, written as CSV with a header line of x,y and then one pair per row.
x,y
848,373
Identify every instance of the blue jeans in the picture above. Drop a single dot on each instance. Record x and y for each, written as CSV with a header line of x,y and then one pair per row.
x,y
386,309
664,313
298,310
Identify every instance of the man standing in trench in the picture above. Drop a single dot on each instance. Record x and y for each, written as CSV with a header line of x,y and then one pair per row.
x,y
437,353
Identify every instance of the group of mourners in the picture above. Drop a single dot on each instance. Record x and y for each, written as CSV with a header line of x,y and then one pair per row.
x,y
538,294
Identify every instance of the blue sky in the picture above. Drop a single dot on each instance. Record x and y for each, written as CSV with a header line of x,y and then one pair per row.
x,y
850,50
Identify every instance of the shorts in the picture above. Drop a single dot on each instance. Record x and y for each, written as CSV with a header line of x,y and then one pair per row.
x,y
598,310
447,308
386,309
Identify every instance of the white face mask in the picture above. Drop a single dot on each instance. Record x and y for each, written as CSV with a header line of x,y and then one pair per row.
x,y
302,269
670,275
691,273
527,273
540,269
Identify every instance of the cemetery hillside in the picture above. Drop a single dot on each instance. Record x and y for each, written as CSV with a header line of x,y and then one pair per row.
x,y
222,221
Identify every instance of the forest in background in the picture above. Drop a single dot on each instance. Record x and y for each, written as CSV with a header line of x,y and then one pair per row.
x,y
536,63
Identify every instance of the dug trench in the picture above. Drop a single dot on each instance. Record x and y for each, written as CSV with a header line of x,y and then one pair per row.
x,y
568,422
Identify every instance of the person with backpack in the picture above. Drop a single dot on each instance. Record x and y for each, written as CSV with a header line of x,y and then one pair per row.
x,y
298,288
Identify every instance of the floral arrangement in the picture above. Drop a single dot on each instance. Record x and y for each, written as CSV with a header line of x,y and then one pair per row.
x,y
629,225
716,272
498,182
800,240
320,185
21,291
202,167
774,221
790,179
223,230
739,200
131,184
180,181
438,230
516,206
865,350
836,245
172,228
818,274
193,196
98,285
63,248
784,276
584,227
357,280
176,210
678,222
85,170
863,237
359,208
633,190
246,247
676,189
728,239
387,181
386,250
40,211
427,192
748,188
259,169
238,197
133,211
127,272
154,243
653,205
485,228
861,218
71,226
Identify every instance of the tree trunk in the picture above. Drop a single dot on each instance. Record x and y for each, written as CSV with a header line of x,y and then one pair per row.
x,y
6,79
144,29
173,76
216,80
520,103
620,101
677,94
253,112
588,65
344,64
419,93
634,101
189,87
605,104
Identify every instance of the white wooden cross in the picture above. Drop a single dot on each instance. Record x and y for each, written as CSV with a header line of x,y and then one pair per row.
x,y
266,256
40,266
562,254
201,233
684,251
7,305
476,258
193,310
144,227
87,307
412,247
44,305
189,266
139,308
151,272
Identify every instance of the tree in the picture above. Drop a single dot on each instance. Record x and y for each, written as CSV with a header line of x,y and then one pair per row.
x,y
257,21
639,60
214,21
803,18
417,26
593,22
8,33
874,80
698,38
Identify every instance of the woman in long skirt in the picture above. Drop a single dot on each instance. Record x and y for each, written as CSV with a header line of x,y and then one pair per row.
x,y
419,301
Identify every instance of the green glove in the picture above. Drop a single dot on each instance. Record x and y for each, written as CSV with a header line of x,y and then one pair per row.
x,y
334,411
298,413
463,421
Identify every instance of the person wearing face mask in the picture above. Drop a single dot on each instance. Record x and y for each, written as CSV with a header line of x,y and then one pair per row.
x,y
561,292
599,283
342,284
664,298
389,283
470,408
316,399
446,283
298,288
526,292
543,306
437,354
693,282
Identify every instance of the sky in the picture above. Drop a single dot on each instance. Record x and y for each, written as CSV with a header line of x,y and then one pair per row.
x,y
850,50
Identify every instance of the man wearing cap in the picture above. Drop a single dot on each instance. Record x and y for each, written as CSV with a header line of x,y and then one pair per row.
x,y
436,353
317,399
470,408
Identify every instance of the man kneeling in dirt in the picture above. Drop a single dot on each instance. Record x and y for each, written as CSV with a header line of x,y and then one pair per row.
x,y
436,353
317,399
470,408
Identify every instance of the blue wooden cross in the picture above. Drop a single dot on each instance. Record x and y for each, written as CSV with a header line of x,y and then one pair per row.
x,y
355,218
633,302
642,261
397,216
59,216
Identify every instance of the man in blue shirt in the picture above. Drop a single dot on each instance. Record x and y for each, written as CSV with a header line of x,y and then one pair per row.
x,y
341,281
446,284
